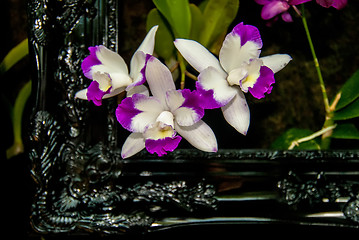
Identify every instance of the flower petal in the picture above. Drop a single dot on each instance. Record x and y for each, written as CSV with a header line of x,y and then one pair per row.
x,y
262,2
276,62
339,4
159,79
138,66
236,113
240,46
199,135
95,94
111,61
148,43
114,92
162,146
141,89
136,113
297,2
82,94
185,105
133,144
274,8
286,17
212,80
197,55
90,61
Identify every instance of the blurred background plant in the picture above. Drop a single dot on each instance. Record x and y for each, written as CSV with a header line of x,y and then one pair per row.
x,y
343,107
288,116
206,23
15,110
14,78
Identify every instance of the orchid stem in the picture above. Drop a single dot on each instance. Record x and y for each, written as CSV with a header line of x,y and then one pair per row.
x,y
316,62
312,136
182,66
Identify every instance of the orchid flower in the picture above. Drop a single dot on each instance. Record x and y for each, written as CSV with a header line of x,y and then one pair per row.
x,y
159,122
239,69
109,72
338,4
272,8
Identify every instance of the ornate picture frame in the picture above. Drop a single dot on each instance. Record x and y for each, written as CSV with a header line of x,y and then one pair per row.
x,y
83,186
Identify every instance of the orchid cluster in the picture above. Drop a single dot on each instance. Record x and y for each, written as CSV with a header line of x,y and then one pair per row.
x,y
157,114
272,8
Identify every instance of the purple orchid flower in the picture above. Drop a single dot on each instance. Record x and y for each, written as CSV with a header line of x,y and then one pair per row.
x,y
338,4
272,8
159,122
239,69
109,71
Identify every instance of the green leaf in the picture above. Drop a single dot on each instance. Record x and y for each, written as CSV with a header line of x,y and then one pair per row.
x,y
218,15
15,55
350,111
197,22
285,140
18,111
178,14
349,91
164,39
345,131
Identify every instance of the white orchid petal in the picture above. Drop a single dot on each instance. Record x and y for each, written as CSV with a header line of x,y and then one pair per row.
x,y
211,79
197,55
136,113
111,61
159,79
119,80
82,94
200,135
236,113
186,116
141,89
138,62
114,92
276,62
148,43
174,99
233,55
151,109
133,144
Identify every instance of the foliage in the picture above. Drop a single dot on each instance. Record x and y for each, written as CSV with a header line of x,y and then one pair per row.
x,y
16,110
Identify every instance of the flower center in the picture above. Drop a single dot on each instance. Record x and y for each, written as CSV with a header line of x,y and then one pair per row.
x,y
104,81
164,127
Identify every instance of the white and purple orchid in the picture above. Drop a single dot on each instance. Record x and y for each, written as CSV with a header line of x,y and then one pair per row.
x,y
239,69
109,71
159,122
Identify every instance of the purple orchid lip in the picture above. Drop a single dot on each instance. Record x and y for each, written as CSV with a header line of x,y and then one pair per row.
x,y
263,84
90,61
95,94
162,146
